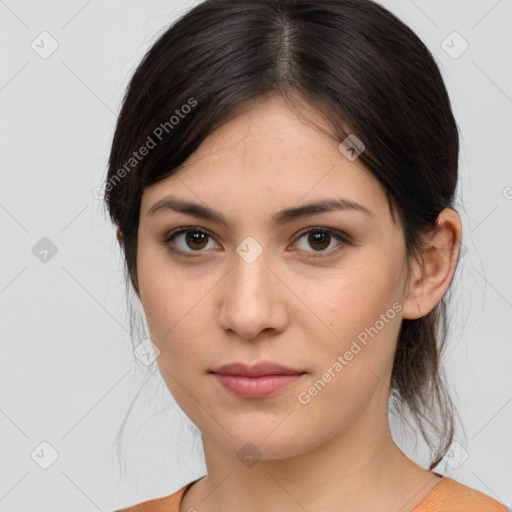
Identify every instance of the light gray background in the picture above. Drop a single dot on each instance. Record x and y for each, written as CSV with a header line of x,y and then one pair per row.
x,y
67,371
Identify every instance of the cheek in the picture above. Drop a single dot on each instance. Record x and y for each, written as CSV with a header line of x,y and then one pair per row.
x,y
164,290
351,300
174,314
359,306
176,307
356,362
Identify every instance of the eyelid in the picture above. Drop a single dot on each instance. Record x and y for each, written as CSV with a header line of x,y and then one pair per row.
x,y
332,231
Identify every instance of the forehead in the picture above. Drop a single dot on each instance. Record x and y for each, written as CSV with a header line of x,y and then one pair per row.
x,y
268,157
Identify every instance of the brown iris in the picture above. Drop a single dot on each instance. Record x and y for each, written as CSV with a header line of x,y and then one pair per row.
x,y
319,237
195,237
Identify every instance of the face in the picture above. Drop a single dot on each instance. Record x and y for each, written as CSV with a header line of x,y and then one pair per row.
x,y
319,293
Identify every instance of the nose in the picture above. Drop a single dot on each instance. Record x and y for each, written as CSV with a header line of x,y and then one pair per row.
x,y
253,299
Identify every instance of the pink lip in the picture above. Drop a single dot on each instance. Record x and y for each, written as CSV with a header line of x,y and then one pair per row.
x,y
256,387
260,380
257,370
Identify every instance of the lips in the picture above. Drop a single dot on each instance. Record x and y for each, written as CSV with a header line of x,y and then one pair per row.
x,y
261,380
257,370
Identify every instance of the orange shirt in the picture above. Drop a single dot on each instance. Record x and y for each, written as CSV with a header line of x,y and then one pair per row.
x,y
447,496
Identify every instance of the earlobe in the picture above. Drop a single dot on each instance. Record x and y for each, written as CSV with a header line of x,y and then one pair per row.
x,y
411,307
432,276
119,235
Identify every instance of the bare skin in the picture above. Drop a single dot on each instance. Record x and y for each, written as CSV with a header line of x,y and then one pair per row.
x,y
211,307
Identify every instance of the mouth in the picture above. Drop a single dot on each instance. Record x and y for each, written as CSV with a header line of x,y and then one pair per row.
x,y
257,381
264,368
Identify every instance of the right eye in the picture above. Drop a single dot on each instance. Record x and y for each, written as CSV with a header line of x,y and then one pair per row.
x,y
194,238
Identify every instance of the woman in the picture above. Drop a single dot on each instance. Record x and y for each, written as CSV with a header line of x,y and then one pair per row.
x,y
282,179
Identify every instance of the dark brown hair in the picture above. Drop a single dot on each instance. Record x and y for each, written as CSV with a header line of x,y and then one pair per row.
x,y
365,72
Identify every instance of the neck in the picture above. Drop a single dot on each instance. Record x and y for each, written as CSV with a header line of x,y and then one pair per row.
x,y
354,470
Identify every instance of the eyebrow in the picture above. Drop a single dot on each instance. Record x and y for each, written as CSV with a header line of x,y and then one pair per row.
x,y
282,217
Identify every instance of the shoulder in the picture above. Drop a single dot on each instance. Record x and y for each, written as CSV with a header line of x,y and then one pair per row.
x,y
452,496
448,496
169,503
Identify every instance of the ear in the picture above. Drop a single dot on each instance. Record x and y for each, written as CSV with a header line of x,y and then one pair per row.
x,y
119,235
431,277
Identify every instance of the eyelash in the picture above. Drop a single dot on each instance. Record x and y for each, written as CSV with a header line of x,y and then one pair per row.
x,y
341,237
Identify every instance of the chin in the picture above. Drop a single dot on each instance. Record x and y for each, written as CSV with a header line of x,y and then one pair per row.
x,y
258,444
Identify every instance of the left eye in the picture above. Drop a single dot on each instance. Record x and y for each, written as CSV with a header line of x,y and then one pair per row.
x,y
197,239
320,239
